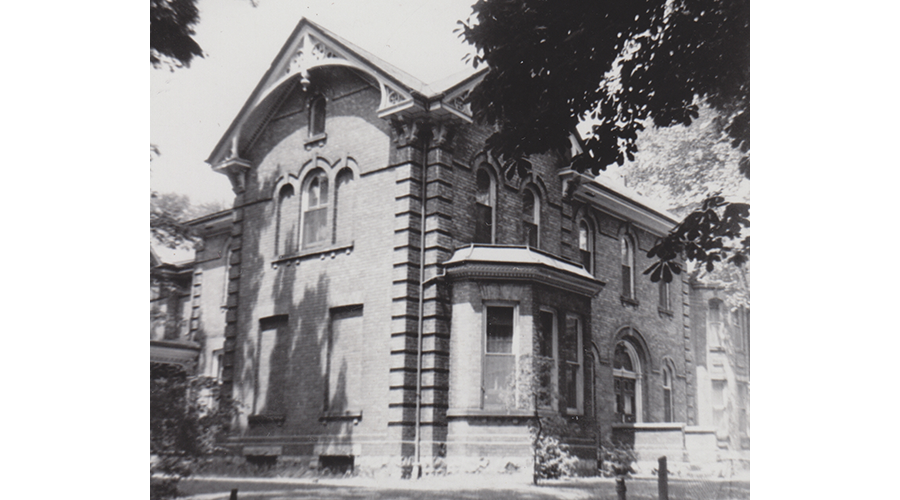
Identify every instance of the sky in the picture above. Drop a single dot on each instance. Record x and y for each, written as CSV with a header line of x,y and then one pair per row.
x,y
191,108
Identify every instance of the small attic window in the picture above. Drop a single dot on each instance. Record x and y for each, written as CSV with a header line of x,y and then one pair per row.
x,y
317,116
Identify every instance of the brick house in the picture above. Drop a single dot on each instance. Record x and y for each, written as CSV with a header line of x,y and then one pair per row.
x,y
390,293
187,300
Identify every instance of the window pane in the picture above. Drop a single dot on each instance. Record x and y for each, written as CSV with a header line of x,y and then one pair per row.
x,y
626,281
586,259
663,294
483,188
568,342
314,226
499,330
499,381
622,360
667,401
545,336
718,393
483,219
530,234
582,236
571,392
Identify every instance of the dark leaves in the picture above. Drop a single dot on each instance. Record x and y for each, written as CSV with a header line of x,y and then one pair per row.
x,y
171,31
707,236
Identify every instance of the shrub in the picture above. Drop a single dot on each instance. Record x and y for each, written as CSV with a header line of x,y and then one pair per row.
x,y
187,416
616,459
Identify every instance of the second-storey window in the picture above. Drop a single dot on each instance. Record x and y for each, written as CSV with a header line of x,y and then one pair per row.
x,y
586,245
287,221
627,258
315,209
531,218
484,207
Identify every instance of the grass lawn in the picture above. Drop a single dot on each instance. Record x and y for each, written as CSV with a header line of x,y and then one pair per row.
x,y
461,487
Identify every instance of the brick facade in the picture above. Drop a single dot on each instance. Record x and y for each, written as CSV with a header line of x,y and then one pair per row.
x,y
370,342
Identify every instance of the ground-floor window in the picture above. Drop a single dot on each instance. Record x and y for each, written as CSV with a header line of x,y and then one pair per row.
x,y
627,383
499,384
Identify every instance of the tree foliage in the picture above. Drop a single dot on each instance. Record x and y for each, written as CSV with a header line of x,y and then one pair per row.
x,y
169,216
618,66
171,32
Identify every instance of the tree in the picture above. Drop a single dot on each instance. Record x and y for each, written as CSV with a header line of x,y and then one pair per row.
x,y
617,66
171,32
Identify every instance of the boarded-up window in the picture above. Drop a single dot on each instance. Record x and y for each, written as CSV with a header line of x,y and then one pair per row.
x,y
499,360
344,200
344,360
288,213
266,397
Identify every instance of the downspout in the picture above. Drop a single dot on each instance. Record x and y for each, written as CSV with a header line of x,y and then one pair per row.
x,y
425,136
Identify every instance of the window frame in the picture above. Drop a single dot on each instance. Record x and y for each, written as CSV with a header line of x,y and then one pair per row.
x,y
636,376
338,217
589,243
283,214
492,199
514,352
554,357
578,409
715,326
626,258
668,389
535,217
316,174
317,109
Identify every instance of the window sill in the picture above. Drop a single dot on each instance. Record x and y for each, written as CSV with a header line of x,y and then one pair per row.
x,y
254,420
490,413
628,301
667,312
316,140
350,415
321,252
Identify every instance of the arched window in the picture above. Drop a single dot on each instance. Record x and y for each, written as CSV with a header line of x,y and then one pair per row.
x,y
531,218
286,242
627,258
315,209
586,245
714,324
668,395
485,199
627,383
316,116
571,365
343,206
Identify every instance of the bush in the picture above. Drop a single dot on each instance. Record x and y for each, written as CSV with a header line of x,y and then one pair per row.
x,y
187,416
552,459
616,459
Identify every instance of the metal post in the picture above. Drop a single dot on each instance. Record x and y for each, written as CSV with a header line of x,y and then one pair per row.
x,y
620,486
663,479
234,494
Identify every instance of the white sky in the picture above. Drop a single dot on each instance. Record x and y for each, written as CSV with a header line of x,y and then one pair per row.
x,y
191,108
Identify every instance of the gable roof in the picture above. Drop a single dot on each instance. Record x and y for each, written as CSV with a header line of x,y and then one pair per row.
x,y
310,46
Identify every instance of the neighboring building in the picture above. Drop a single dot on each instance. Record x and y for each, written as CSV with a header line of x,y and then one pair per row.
x,y
187,300
720,320
353,339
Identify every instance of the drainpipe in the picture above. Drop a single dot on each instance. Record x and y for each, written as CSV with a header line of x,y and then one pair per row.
x,y
425,137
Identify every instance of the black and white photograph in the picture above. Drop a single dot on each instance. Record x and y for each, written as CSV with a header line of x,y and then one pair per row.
x,y
450,249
